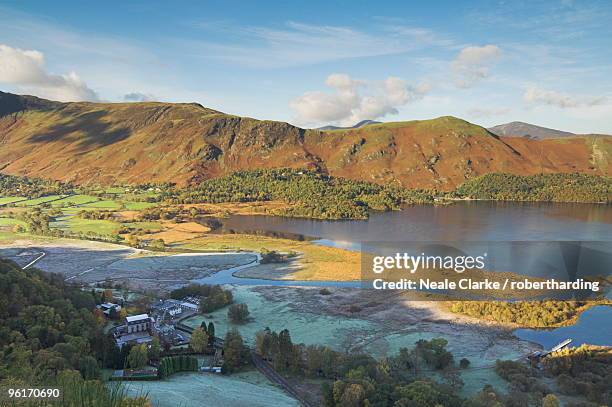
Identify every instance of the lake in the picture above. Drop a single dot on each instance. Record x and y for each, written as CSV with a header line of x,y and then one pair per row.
x,y
549,240
593,328
470,221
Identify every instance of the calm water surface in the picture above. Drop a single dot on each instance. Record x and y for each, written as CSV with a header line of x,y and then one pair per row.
x,y
472,222
469,221
593,327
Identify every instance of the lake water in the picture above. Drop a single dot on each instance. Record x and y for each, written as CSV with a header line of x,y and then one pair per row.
x,y
470,221
593,327
522,235
518,237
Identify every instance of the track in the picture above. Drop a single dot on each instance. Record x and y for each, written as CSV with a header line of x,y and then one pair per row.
x,y
267,370
30,264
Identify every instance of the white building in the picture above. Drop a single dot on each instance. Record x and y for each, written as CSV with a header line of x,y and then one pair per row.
x,y
108,306
138,323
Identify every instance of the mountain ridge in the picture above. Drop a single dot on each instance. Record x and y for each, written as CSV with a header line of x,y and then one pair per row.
x,y
183,143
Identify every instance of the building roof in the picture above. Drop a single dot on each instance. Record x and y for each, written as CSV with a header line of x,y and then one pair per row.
x,y
134,318
189,305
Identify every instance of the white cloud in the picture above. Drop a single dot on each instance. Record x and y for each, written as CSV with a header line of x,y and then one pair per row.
x,y
298,44
535,95
354,100
139,97
472,64
26,70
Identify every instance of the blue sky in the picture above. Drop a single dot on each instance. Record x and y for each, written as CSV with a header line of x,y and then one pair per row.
x,y
319,62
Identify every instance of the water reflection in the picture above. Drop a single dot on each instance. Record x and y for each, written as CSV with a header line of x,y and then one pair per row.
x,y
471,221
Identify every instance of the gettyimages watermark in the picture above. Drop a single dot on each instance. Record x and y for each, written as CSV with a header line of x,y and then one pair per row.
x,y
511,270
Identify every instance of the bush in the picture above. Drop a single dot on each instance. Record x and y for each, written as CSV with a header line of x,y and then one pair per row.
x,y
238,313
170,365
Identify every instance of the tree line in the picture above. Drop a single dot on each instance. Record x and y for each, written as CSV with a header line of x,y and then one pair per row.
x,y
312,194
541,188
50,337
534,314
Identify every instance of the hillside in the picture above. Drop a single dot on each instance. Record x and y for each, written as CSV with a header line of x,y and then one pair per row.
x,y
110,143
521,129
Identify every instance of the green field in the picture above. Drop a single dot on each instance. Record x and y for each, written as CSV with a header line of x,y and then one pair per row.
x,y
75,200
11,222
78,225
38,201
11,199
137,206
104,204
109,204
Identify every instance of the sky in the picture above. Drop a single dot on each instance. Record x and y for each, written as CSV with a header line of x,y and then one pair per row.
x,y
314,63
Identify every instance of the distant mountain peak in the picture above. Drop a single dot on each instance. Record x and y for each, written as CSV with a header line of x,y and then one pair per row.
x,y
522,129
355,126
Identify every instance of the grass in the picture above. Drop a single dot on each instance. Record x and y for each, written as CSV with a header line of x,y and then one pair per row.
x,y
78,225
11,199
104,204
318,262
11,222
38,201
137,206
74,200
116,204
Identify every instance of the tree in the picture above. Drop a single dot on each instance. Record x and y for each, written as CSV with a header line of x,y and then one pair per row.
x,y
113,313
352,396
199,340
138,357
157,244
263,343
88,366
420,393
107,295
550,400
211,330
238,313
99,316
233,351
154,348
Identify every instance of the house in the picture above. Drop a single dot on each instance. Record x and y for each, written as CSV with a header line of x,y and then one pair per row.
x,y
167,307
136,331
189,306
138,323
107,307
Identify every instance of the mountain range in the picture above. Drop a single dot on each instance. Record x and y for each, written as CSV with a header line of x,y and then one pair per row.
x,y
116,143
521,129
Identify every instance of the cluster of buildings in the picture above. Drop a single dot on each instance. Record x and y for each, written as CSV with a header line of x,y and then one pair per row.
x,y
162,322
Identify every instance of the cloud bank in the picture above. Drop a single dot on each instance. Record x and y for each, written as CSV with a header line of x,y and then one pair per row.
x,y
26,70
139,97
535,95
472,64
353,100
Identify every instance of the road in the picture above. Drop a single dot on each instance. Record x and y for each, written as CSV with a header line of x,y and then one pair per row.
x,y
267,370
30,264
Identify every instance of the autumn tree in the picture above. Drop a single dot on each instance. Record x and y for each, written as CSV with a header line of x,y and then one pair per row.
x,y
199,340
138,357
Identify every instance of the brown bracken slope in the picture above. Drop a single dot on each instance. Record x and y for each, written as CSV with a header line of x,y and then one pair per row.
x,y
116,143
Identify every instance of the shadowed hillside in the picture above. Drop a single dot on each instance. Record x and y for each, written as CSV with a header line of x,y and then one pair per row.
x,y
111,143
